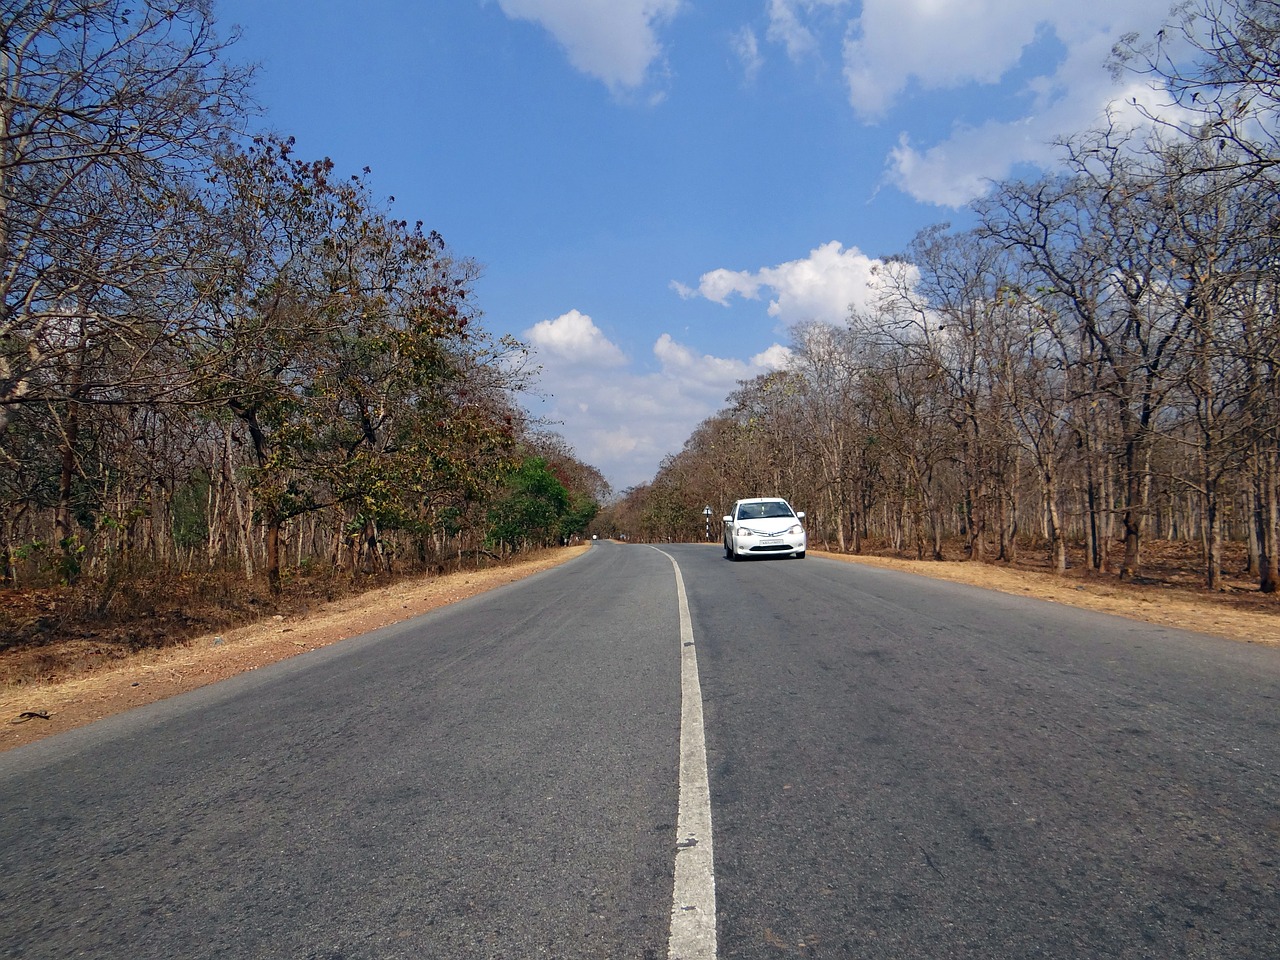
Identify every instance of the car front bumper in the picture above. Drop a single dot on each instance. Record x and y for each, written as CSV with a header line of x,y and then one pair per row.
x,y
747,545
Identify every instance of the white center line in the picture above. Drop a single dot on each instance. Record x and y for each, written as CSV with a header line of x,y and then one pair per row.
x,y
693,907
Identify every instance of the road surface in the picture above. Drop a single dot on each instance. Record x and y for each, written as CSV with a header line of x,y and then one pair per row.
x,y
895,767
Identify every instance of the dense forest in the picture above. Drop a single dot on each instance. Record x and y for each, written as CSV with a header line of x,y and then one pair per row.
x,y
1095,363
218,357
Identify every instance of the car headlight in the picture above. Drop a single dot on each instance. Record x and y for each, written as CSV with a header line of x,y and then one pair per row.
x,y
796,529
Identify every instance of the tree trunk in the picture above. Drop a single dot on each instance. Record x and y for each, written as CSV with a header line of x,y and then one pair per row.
x,y
1267,518
9,573
272,529
1057,542
1098,502
161,524
64,524
1133,512
1211,525
371,544
1253,551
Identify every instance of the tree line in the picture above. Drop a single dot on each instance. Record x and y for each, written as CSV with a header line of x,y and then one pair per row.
x,y
1096,362
217,355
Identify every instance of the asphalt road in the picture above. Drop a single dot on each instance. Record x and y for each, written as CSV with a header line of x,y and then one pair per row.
x,y
898,767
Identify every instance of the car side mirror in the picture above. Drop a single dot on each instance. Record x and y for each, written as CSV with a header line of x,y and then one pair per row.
x,y
799,514
727,519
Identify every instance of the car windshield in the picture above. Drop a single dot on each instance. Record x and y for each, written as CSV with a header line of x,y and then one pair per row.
x,y
764,511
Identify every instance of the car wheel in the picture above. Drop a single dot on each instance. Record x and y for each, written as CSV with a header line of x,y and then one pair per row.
x,y
800,555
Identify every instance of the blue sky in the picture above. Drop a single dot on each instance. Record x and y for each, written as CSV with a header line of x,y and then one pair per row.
x,y
659,191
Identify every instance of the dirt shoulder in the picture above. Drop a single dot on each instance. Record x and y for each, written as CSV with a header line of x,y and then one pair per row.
x,y
33,711
1238,613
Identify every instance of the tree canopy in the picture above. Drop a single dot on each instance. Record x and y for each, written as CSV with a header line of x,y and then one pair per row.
x,y
217,355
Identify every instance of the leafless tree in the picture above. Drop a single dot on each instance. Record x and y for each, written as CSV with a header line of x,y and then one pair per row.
x,y
1097,237
1219,60
106,108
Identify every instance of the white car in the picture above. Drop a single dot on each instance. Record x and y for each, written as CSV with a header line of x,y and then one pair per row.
x,y
762,526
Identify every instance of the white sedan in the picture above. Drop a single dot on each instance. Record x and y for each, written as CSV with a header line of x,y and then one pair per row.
x,y
761,526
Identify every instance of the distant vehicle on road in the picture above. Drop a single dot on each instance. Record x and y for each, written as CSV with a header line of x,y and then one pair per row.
x,y
763,526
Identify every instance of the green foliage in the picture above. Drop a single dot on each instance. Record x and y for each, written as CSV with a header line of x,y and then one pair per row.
x,y
582,510
535,508
70,560
190,513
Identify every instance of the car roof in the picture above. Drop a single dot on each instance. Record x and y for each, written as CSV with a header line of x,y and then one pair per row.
x,y
762,500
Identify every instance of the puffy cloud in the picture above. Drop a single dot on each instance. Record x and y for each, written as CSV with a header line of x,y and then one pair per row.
x,y
937,44
574,338
776,357
702,373
615,42
823,286
895,44
957,170
719,285
624,420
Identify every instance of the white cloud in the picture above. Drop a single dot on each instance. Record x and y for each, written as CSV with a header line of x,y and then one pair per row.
x,y
895,46
701,373
614,41
719,285
788,26
624,421
573,339
823,286
957,170
747,47
776,357
936,44
954,171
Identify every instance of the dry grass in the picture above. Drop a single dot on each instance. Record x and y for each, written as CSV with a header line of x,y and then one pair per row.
x,y
53,634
